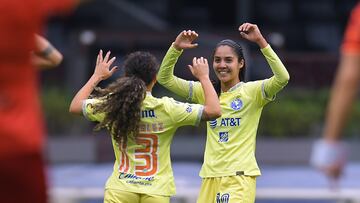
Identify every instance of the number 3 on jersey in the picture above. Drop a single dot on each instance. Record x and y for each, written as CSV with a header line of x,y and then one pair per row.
x,y
147,154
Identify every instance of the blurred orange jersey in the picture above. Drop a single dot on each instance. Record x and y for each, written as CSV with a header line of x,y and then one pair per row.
x,y
21,125
351,42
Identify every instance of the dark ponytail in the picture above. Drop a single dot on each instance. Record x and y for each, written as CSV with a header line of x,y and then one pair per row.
x,y
123,98
122,106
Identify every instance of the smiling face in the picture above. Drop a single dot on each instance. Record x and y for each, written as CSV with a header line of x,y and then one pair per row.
x,y
227,65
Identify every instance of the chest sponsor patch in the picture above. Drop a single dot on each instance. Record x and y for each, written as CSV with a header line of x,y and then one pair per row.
x,y
223,136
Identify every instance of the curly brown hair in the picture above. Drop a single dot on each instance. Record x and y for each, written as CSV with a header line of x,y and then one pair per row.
x,y
123,98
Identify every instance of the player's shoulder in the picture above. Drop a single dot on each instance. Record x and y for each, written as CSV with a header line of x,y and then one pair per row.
x,y
167,100
245,86
251,85
158,101
92,101
168,104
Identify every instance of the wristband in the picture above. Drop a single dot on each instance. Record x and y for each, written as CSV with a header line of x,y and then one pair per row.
x,y
326,154
47,51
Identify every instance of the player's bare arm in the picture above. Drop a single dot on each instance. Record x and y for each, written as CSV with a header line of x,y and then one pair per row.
x,y
102,71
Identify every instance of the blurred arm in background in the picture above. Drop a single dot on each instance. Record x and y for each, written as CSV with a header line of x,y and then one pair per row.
x,y
22,131
45,54
329,153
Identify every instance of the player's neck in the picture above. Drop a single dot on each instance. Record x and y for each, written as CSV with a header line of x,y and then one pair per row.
x,y
225,86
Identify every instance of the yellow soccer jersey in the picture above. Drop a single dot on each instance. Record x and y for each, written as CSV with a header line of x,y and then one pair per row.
x,y
143,165
230,144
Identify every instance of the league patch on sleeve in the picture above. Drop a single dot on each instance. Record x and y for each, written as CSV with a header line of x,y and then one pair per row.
x,y
189,109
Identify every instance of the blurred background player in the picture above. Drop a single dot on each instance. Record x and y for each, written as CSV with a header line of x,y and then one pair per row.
x,y
142,126
22,176
329,153
230,169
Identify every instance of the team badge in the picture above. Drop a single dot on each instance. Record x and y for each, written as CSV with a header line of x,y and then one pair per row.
x,y
236,104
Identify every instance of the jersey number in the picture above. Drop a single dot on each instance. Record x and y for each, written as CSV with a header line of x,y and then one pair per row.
x,y
147,153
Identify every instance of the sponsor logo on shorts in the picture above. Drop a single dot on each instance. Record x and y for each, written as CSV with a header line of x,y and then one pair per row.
x,y
224,198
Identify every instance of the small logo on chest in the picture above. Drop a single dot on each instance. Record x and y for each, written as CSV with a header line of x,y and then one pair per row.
x,y
223,136
236,104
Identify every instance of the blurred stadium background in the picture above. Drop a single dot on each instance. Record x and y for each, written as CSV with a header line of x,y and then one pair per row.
x,y
306,34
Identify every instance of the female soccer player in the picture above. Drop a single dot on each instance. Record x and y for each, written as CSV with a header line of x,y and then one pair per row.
x,y
142,126
229,170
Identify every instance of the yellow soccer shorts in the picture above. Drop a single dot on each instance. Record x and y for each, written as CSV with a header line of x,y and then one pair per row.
x,y
228,189
119,196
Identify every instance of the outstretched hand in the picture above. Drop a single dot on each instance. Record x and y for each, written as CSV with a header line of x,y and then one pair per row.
x,y
252,33
102,68
200,68
185,40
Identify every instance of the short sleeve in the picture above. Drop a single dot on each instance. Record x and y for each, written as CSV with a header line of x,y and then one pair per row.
x,y
88,110
184,113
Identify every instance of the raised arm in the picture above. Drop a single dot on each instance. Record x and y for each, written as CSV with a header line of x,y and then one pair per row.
x,y
102,72
200,69
281,77
166,75
45,54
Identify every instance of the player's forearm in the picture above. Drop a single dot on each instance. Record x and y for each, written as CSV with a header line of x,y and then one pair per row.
x,y
342,96
82,94
45,54
281,76
212,108
166,75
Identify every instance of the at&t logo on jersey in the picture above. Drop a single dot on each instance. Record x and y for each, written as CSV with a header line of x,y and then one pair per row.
x,y
213,123
237,104
225,122
222,198
223,136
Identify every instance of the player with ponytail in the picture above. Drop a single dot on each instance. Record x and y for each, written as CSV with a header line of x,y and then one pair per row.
x,y
141,126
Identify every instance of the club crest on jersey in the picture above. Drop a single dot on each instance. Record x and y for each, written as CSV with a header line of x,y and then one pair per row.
x,y
189,109
237,104
223,136
224,198
213,123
